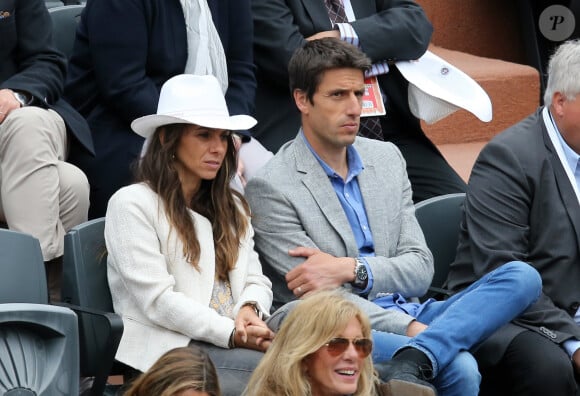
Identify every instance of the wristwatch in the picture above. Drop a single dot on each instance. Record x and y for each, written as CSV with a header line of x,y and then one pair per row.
x,y
22,98
361,275
255,308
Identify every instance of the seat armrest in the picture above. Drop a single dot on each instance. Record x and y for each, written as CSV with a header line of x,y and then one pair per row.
x,y
113,325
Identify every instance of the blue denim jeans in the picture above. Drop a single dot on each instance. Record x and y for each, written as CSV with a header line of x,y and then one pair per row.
x,y
462,321
460,378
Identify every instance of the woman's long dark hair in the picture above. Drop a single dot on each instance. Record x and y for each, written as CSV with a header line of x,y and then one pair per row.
x,y
215,199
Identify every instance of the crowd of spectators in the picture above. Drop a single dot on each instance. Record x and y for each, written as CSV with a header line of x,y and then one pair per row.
x,y
149,123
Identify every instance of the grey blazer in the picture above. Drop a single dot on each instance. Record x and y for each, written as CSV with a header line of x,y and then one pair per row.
x,y
520,205
293,204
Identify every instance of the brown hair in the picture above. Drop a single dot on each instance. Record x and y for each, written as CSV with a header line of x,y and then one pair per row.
x,y
176,371
224,207
308,64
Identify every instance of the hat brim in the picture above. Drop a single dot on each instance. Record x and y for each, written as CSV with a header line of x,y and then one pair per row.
x,y
146,126
454,87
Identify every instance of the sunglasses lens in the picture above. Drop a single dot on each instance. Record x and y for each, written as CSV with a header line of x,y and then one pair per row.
x,y
363,346
336,346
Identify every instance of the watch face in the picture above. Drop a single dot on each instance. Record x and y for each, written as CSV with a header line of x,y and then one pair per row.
x,y
361,273
20,98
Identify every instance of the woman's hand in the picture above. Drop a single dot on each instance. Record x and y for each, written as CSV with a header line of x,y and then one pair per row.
x,y
251,331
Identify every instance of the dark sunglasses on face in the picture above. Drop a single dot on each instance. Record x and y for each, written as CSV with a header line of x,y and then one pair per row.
x,y
338,345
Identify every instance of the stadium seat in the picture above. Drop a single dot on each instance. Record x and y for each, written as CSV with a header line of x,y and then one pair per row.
x,y
439,218
86,290
39,348
64,24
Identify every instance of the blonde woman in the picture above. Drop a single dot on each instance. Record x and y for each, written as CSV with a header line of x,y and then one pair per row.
x,y
323,348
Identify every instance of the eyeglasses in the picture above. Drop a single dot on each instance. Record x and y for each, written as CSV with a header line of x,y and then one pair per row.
x,y
338,345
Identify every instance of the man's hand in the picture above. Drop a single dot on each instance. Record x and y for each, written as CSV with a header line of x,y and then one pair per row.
x,y
319,271
576,361
7,103
327,33
251,331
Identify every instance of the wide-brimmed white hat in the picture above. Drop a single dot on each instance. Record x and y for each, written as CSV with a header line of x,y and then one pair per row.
x,y
437,89
191,99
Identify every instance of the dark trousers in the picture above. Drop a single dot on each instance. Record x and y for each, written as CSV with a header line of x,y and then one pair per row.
x,y
531,366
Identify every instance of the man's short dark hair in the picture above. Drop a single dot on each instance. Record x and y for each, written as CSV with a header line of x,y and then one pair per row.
x,y
308,63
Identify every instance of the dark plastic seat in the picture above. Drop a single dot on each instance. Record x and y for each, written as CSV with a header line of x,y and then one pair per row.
x,y
64,25
21,262
39,348
440,218
86,289
52,4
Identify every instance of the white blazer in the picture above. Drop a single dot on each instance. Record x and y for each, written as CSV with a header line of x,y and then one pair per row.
x,y
162,299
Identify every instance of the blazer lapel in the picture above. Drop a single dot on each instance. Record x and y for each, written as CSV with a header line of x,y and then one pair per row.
x,y
567,193
363,8
316,181
373,193
318,14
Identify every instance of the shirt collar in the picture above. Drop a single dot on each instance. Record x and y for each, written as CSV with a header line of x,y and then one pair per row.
x,y
571,156
355,165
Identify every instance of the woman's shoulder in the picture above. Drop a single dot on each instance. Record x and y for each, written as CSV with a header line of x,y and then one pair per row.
x,y
138,193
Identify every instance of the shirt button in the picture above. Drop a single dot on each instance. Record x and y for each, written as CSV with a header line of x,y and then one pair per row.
x,y
364,228
346,195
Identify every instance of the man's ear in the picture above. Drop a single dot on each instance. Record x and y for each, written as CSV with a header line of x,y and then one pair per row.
x,y
301,100
558,101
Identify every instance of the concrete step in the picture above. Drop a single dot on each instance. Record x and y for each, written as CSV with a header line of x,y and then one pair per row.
x,y
513,90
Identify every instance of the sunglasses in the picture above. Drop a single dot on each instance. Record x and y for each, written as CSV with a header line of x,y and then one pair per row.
x,y
338,345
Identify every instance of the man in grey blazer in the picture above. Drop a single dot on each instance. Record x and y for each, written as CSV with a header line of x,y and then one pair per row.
x,y
523,204
334,210
386,31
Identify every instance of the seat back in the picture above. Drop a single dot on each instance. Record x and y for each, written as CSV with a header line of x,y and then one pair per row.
x,y
85,266
64,25
85,286
39,350
22,274
439,218
53,3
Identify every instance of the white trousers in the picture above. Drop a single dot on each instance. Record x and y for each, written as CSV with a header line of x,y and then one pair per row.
x,y
40,193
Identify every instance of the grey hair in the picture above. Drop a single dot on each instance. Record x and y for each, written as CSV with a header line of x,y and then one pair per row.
x,y
564,72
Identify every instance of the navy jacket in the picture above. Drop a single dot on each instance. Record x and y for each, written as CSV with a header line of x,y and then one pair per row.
x,y
30,63
124,51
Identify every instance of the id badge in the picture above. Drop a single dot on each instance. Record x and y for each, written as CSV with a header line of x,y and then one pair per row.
x,y
372,101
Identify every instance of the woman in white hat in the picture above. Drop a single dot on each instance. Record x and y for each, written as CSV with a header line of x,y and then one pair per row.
x,y
181,262
125,50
